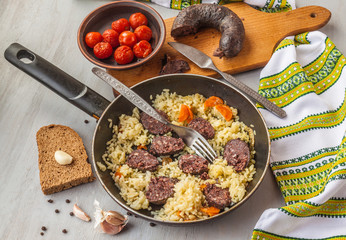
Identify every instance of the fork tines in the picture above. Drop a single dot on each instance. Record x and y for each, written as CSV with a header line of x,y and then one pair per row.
x,y
203,149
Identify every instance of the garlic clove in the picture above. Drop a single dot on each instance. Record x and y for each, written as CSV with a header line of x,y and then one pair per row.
x,y
62,157
110,229
114,221
78,212
115,218
117,214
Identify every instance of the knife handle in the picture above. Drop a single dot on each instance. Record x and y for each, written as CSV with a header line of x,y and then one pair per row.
x,y
254,95
56,80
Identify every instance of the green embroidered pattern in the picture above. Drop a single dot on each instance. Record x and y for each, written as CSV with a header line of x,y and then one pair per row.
x,y
271,6
309,186
284,43
303,180
287,86
333,208
305,177
306,159
327,119
301,39
294,82
326,70
180,4
274,6
259,234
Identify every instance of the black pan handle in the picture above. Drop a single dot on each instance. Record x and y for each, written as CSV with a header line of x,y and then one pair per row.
x,y
56,80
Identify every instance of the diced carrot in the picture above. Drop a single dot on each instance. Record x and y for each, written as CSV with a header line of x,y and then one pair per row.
x,y
118,173
211,211
189,119
203,186
185,114
142,147
212,101
225,111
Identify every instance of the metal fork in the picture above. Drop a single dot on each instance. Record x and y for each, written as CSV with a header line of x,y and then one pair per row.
x,y
192,138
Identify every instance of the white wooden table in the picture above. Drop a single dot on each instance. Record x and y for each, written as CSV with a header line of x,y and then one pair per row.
x,y
49,29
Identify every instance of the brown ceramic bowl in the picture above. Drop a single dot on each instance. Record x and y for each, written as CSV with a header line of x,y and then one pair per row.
x,y
101,19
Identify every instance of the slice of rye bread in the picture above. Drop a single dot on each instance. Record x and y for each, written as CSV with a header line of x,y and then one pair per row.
x,y
53,176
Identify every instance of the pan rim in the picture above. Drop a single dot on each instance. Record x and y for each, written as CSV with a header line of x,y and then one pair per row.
x,y
177,223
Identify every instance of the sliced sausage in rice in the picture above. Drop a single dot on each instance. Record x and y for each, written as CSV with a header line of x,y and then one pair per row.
x,y
160,189
142,160
193,164
203,127
237,154
204,176
153,125
216,196
165,145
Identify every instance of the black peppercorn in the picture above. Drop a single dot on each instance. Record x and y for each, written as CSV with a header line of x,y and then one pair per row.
x,y
57,211
67,201
64,231
71,213
50,201
43,228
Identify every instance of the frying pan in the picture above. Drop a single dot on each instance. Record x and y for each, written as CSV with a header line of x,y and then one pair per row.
x,y
95,105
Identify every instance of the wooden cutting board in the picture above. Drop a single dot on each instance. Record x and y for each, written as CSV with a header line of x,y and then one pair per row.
x,y
263,31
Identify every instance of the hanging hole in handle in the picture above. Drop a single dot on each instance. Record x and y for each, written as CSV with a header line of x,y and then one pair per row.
x,y
313,15
25,56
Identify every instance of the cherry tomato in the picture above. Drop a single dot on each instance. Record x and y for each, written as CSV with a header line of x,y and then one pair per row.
x,y
137,19
123,55
92,38
103,50
143,33
121,25
142,49
127,38
112,37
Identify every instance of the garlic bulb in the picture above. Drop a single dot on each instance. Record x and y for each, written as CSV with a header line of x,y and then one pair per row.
x,y
110,222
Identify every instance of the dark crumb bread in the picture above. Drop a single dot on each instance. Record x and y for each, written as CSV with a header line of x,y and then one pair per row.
x,y
53,176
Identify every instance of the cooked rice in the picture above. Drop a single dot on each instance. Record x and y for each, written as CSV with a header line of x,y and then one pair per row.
x,y
188,198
